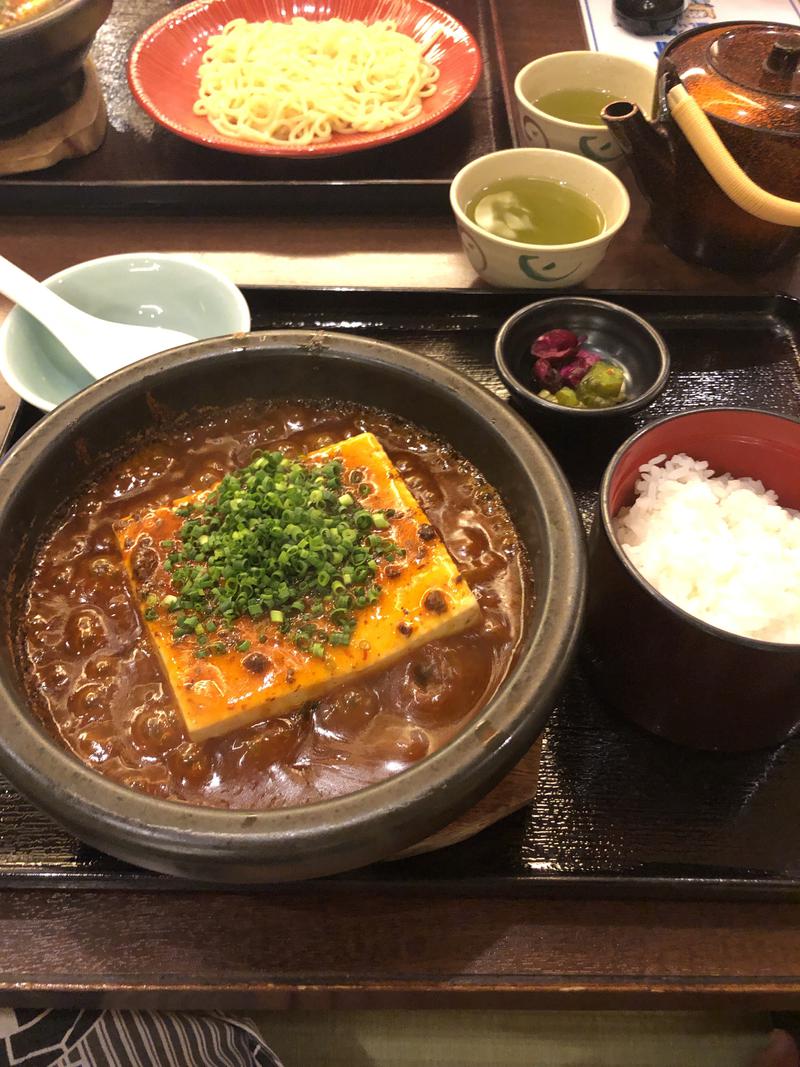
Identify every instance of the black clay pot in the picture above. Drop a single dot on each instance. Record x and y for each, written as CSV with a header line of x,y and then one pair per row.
x,y
61,453
41,61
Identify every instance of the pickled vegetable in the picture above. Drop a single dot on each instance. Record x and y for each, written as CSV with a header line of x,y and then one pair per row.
x,y
572,376
601,385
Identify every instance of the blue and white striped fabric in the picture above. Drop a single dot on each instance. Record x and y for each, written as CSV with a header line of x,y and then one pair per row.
x,y
130,1039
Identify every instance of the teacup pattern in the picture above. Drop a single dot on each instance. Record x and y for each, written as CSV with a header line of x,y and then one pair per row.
x,y
531,269
601,147
475,253
534,134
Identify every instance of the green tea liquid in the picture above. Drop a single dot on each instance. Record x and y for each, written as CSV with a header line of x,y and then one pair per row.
x,y
576,105
535,211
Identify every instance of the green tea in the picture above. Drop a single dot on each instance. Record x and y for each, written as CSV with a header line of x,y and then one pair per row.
x,y
576,105
535,211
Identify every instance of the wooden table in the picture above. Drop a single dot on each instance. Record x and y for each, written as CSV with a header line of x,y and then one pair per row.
x,y
287,947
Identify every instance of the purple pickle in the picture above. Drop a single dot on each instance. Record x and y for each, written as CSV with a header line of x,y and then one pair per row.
x,y
575,371
556,344
546,374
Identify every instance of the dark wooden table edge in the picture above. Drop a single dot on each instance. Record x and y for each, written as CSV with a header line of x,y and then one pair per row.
x,y
613,887
491,993
379,950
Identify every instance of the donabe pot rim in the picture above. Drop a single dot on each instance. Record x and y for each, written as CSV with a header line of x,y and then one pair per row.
x,y
55,778
754,643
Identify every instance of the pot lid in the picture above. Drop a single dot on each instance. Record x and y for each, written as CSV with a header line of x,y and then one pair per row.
x,y
764,58
747,73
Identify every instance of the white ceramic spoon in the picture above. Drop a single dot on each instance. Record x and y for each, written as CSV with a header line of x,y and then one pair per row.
x,y
99,346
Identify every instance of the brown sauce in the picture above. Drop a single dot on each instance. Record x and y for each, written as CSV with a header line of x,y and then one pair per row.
x,y
98,685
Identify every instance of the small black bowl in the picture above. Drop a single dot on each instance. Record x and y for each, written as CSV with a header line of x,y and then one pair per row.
x,y
613,332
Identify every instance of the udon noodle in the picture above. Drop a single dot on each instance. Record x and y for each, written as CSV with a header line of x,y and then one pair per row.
x,y
300,82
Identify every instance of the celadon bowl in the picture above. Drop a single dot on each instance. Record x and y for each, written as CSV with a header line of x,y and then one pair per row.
x,y
627,79
137,288
506,263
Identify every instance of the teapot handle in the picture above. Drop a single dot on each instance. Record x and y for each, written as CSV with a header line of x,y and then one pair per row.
x,y
723,168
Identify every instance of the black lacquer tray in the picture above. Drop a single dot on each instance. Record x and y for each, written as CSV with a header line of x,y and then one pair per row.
x,y
616,811
144,167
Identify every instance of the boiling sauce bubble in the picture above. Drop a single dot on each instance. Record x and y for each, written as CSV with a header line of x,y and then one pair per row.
x,y
98,685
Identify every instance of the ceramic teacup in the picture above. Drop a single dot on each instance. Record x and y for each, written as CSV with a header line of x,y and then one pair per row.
x,y
503,262
627,79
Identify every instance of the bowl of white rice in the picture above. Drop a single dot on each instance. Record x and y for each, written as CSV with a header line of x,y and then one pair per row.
x,y
694,596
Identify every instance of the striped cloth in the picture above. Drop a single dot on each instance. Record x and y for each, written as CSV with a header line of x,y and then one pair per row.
x,y
130,1039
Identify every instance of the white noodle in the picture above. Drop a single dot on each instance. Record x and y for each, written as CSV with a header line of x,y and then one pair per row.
x,y
300,82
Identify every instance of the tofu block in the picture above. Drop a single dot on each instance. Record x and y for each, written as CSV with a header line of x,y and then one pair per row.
x,y
424,598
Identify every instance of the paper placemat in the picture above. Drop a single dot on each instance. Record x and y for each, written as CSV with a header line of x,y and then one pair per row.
x,y
604,35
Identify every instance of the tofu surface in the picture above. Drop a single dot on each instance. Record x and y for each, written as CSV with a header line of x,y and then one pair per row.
x,y
232,689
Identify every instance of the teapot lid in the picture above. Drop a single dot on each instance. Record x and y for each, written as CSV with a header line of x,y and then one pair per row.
x,y
747,72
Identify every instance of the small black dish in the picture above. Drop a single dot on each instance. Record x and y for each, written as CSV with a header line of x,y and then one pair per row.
x,y
616,334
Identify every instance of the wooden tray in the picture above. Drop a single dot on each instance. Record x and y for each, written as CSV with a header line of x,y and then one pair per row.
x,y
615,811
143,167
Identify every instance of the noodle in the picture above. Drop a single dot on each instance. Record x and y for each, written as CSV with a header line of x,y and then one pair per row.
x,y
300,82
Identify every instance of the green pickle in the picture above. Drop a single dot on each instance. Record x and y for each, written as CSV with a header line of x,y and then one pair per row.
x,y
567,398
603,386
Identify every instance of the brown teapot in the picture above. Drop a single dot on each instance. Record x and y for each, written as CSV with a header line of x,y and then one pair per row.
x,y
720,163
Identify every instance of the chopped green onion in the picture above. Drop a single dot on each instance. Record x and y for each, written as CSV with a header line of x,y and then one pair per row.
x,y
282,539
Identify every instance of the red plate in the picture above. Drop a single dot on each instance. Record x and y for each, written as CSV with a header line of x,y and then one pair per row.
x,y
163,65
